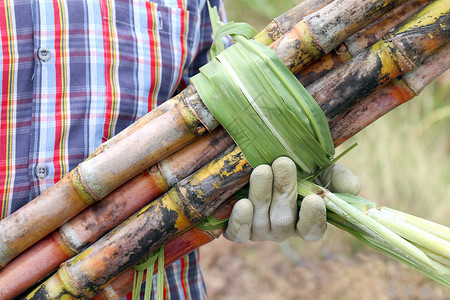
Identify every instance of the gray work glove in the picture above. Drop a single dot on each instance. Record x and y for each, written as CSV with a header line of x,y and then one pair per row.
x,y
271,212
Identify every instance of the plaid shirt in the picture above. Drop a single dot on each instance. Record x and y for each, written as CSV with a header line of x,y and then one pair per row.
x,y
75,73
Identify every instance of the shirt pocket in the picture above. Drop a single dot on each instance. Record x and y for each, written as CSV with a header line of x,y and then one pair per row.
x,y
151,44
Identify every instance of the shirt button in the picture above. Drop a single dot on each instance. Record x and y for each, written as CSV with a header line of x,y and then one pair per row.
x,y
44,54
41,171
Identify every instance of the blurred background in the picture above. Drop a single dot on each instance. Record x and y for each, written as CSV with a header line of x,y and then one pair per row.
x,y
403,161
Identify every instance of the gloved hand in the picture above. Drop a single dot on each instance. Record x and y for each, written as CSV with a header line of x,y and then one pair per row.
x,y
271,213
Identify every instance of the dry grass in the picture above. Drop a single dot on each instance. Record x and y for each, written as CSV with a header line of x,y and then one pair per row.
x,y
403,161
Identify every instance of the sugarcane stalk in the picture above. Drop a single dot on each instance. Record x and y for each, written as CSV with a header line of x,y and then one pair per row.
x,y
359,41
371,34
392,56
154,113
285,22
193,199
185,118
88,226
173,251
390,96
320,32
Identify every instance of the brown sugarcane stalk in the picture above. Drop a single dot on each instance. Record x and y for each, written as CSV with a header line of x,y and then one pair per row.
x,y
285,22
88,226
361,40
320,32
357,118
147,143
396,54
190,201
174,249
385,99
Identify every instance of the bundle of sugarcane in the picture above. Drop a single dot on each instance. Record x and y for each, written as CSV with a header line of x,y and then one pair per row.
x,y
343,127
194,102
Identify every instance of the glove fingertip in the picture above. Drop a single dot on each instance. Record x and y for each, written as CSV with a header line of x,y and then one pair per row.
x,y
312,223
239,224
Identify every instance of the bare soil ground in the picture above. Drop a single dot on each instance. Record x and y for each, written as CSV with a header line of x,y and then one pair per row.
x,y
328,269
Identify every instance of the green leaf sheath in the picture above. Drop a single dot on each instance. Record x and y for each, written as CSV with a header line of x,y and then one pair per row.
x,y
264,108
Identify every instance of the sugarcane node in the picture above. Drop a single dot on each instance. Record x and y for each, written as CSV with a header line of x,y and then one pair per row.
x,y
157,174
273,29
64,242
431,68
82,187
199,114
297,48
191,118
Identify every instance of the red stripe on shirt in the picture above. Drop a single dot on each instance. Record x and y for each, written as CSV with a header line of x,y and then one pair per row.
x,y
109,68
6,107
152,39
183,280
60,115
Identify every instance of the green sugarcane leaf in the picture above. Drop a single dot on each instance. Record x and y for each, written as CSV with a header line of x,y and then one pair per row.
x,y
292,133
211,223
233,29
250,100
300,101
216,91
161,277
218,44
